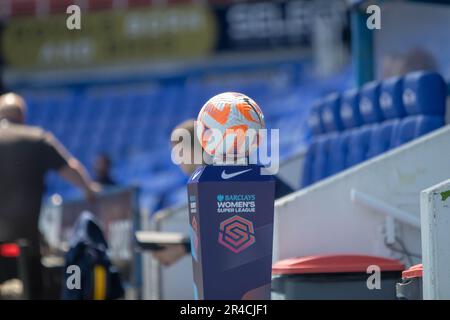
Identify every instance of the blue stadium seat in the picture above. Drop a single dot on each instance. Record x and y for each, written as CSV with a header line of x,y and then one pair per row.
x,y
391,102
369,104
328,155
161,182
337,155
177,196
426,124
34,114
424,93
424,98
415,126
315,119
382,137
321,160
331,117
358,145
406,131
310,156
350,109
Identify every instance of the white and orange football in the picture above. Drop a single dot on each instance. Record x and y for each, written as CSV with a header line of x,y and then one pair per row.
x,y
228,125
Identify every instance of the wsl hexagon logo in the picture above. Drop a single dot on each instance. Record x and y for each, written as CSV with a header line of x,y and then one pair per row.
x,y
194,238
236,234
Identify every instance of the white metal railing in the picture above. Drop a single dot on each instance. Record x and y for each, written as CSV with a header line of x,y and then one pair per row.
x,y
384,208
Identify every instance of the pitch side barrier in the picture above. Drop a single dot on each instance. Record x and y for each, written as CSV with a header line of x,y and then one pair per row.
x,y
372,208
174,282
435,221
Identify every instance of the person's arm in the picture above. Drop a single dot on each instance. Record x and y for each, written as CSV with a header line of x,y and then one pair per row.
x,y
171,254
56,157
75,173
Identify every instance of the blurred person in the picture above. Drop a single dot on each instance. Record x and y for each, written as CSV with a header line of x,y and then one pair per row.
x,y
193,144
26,155
102,171
186,168
172,253
414,60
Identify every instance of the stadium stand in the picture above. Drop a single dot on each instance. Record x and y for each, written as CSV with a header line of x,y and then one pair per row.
x,y
359,124
132,121
133,125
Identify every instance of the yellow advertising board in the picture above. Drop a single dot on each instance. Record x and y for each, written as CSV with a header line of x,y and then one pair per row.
x,y
145,34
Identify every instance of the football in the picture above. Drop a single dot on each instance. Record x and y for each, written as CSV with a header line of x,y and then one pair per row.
x,y
228,125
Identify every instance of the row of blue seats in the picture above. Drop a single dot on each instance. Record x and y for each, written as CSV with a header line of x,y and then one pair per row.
x,y
331,153
125,123
416,93
117,138
400,110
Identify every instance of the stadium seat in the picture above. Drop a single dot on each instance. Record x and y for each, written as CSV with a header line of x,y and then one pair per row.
x,y
177,196
426,124
331,117
307,172
358,145
326,155
369,104
338,150
415,126
382,137
390,99
162,181
320,166
424,93
349,110
315,120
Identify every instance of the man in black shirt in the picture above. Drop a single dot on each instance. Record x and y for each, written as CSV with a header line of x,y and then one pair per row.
x,y
26,155
102,171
